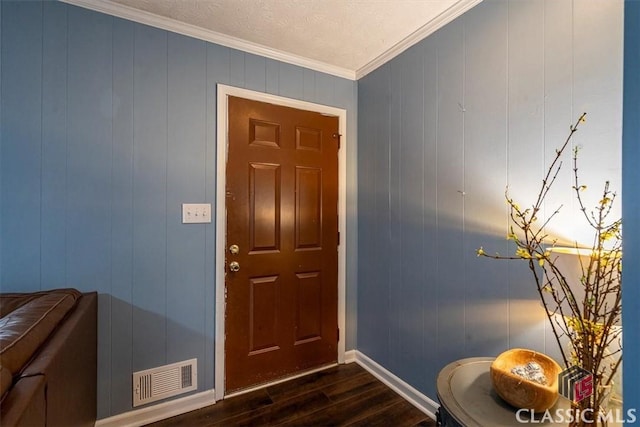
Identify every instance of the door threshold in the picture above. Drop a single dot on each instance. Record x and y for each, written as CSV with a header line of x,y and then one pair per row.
x,y
280,380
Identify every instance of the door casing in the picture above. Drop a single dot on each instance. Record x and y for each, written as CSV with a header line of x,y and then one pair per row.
x,y
224,92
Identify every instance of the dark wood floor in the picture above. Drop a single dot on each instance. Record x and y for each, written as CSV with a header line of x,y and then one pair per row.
x,y
339,396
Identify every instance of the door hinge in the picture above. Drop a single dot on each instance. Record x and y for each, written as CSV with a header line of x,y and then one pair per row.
x,y
338,238
338,334
337,136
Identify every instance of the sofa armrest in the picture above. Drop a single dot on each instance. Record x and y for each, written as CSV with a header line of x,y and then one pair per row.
x,y
25,403
69,363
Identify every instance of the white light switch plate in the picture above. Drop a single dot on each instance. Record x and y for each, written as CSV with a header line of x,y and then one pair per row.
x,y
196,213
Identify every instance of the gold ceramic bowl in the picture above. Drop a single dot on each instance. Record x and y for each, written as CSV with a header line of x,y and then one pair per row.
x,y
520,392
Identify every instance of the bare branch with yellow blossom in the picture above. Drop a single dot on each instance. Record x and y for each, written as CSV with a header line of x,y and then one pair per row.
x,y
589,322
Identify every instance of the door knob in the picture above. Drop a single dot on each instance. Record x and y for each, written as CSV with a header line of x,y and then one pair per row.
x,y
234,249
234,266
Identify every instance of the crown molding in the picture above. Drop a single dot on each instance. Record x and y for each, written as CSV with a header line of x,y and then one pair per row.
x,y
157,21
420,34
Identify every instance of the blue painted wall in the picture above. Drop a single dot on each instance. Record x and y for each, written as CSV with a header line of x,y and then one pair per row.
x,y
443,128
106,128
631,203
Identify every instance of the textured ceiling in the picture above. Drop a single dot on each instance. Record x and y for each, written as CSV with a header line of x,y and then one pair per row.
x,y
348,34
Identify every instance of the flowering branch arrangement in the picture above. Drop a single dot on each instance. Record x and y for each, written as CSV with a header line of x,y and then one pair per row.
x,y
586,317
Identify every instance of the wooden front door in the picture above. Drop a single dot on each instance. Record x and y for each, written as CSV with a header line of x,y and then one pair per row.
x,y
282,238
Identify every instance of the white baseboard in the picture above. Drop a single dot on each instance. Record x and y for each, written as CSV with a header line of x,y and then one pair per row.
x,y
410,394
160,411
350,356
186,404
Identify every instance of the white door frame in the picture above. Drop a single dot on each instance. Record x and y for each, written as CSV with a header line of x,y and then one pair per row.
x,y
222,121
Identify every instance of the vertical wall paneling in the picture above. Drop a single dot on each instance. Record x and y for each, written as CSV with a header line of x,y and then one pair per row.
x,y
89,141
498,85
291,81
395,211
598,91
485,138
218,59
558,112
366,202
346,95
107,127
450,198
186,149
373,293
631,205
324,89
410,234
237,68
308,83
272,77
525,153
89,146
382,309
430,250
122,230
54,145
21,161
218,68
150,198
558,97
256,72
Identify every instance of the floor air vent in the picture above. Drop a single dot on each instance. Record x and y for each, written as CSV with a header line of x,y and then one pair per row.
x,y
165,381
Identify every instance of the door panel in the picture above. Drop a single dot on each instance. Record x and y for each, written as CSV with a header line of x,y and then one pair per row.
x,y
309,307
308,139
264,133
282,193
264,209
263,322
308,208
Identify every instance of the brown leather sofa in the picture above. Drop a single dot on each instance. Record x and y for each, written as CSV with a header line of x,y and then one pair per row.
x,y
48,358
